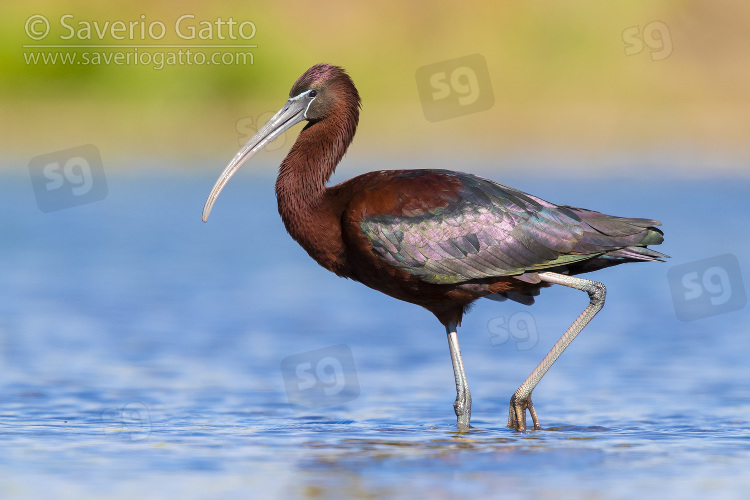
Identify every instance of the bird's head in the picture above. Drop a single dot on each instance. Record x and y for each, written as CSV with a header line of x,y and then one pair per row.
x,y
322,91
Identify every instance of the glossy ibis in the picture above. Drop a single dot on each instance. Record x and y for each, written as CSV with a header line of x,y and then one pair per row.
x,y
436,238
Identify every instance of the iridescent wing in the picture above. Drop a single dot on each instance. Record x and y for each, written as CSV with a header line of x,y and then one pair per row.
x,y
450,227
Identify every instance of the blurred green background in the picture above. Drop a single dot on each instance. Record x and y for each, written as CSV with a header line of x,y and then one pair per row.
x,y
567,95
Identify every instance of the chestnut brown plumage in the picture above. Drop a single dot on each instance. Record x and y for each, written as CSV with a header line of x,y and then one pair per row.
x,y
437,238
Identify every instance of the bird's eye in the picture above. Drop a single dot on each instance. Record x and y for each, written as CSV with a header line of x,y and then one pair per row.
x,y
313,93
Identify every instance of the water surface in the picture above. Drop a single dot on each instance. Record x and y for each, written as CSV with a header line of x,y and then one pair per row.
x,y
142,351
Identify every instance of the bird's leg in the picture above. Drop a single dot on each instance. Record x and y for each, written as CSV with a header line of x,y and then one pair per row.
x,y
462,406
521,400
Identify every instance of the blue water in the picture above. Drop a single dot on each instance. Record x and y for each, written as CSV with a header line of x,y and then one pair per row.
x,y
141,357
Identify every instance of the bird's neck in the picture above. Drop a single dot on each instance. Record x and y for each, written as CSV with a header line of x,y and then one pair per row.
x,y
304,172
310,218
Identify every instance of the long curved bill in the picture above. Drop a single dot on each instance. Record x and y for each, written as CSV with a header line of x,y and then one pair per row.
x,y
293,112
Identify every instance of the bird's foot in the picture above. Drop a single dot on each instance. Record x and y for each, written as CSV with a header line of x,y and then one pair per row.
x,y
462,407
517,413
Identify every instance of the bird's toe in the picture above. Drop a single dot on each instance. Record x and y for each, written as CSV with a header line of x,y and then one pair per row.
x,y
517,413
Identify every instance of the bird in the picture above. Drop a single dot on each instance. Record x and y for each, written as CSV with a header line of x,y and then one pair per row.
x,y
436,238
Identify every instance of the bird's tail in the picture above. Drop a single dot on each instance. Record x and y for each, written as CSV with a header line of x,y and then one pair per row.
x,y
611,241
619,237
637,253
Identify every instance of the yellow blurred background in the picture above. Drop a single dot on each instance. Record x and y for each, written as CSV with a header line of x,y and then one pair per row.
x,y
589,86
